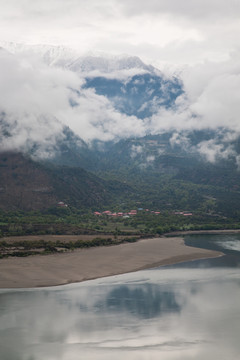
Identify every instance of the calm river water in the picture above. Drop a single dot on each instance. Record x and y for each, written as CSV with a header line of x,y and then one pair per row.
x,y
186,311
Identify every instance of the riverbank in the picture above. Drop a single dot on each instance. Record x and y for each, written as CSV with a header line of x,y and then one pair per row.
x,y
195,232
87,264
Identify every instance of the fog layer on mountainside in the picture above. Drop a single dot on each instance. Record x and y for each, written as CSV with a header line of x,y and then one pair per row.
x,y
39,100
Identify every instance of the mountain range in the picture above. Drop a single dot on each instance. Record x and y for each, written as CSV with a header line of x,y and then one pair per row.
x,y
172,169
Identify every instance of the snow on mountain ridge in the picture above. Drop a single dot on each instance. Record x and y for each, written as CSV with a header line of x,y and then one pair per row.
x,y
50,54
108,65
67,58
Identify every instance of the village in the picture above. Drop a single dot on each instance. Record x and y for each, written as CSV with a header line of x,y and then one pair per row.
x,y
126,215
130,213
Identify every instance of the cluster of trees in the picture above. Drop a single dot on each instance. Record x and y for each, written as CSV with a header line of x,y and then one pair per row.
x,y
25,247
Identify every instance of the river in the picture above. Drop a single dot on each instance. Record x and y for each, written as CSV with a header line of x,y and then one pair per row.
x,y
186,311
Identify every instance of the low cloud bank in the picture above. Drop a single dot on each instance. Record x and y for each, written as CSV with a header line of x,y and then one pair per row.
x,y
38,101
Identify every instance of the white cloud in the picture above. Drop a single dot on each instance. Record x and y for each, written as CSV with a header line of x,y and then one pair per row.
x,y
95,118
31,93
36,100
136,150
150,158
180,139
213,151
211,99
36,104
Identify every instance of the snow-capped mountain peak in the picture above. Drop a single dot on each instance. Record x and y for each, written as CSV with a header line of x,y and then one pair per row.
x,y
70,59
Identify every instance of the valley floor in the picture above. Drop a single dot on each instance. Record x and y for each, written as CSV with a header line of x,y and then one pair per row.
x,y
91,263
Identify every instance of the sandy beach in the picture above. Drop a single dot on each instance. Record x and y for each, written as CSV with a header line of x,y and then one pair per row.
x,y
86,264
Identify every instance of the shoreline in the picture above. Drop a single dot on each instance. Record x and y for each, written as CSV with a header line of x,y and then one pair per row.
x,y
92,263
195,232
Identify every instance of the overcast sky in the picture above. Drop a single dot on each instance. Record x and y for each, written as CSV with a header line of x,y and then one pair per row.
x,y
172,31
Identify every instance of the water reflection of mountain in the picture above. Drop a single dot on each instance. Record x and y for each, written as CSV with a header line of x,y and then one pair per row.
x,y
146,302
151,314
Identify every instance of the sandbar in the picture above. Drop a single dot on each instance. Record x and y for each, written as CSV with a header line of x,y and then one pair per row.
x,y
86,264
